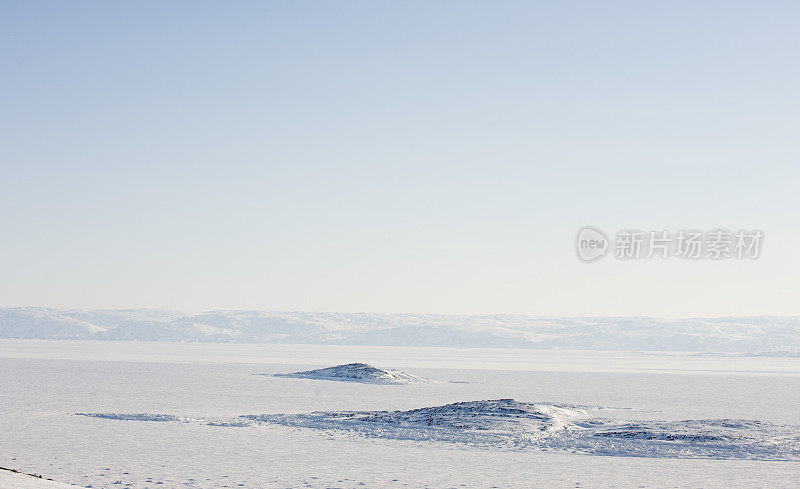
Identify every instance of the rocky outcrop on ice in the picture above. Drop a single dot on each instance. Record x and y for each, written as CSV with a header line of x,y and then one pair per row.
x,y
516,425
778,335
358,372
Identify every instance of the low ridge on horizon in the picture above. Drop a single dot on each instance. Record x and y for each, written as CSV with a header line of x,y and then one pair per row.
x,y
749,335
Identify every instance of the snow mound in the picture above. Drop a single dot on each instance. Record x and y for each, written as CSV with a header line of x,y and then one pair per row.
x,y
358,372
493,415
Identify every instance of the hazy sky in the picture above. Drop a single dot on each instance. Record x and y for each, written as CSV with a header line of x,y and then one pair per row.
x,y
395,156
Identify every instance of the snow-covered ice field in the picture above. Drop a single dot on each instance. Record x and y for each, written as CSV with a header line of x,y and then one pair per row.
x,y
186,385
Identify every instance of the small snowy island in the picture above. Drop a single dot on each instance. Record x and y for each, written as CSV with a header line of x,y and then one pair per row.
x,y
358,372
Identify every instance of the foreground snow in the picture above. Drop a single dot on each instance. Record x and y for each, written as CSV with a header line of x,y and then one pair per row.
x,y
510,424
16,480
357,372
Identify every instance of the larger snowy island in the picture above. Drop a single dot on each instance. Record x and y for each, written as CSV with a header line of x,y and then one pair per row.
x,y
510,424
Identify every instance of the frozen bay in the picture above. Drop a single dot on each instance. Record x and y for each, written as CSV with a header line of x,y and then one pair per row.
x,y
46,382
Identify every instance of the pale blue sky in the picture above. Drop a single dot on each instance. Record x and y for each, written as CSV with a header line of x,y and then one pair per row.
x,y
395,156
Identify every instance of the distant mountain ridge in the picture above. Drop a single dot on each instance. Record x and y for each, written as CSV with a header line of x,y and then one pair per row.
x,y
753,335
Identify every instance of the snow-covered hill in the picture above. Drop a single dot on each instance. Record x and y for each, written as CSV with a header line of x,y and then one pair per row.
x,y
357,372
777,335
